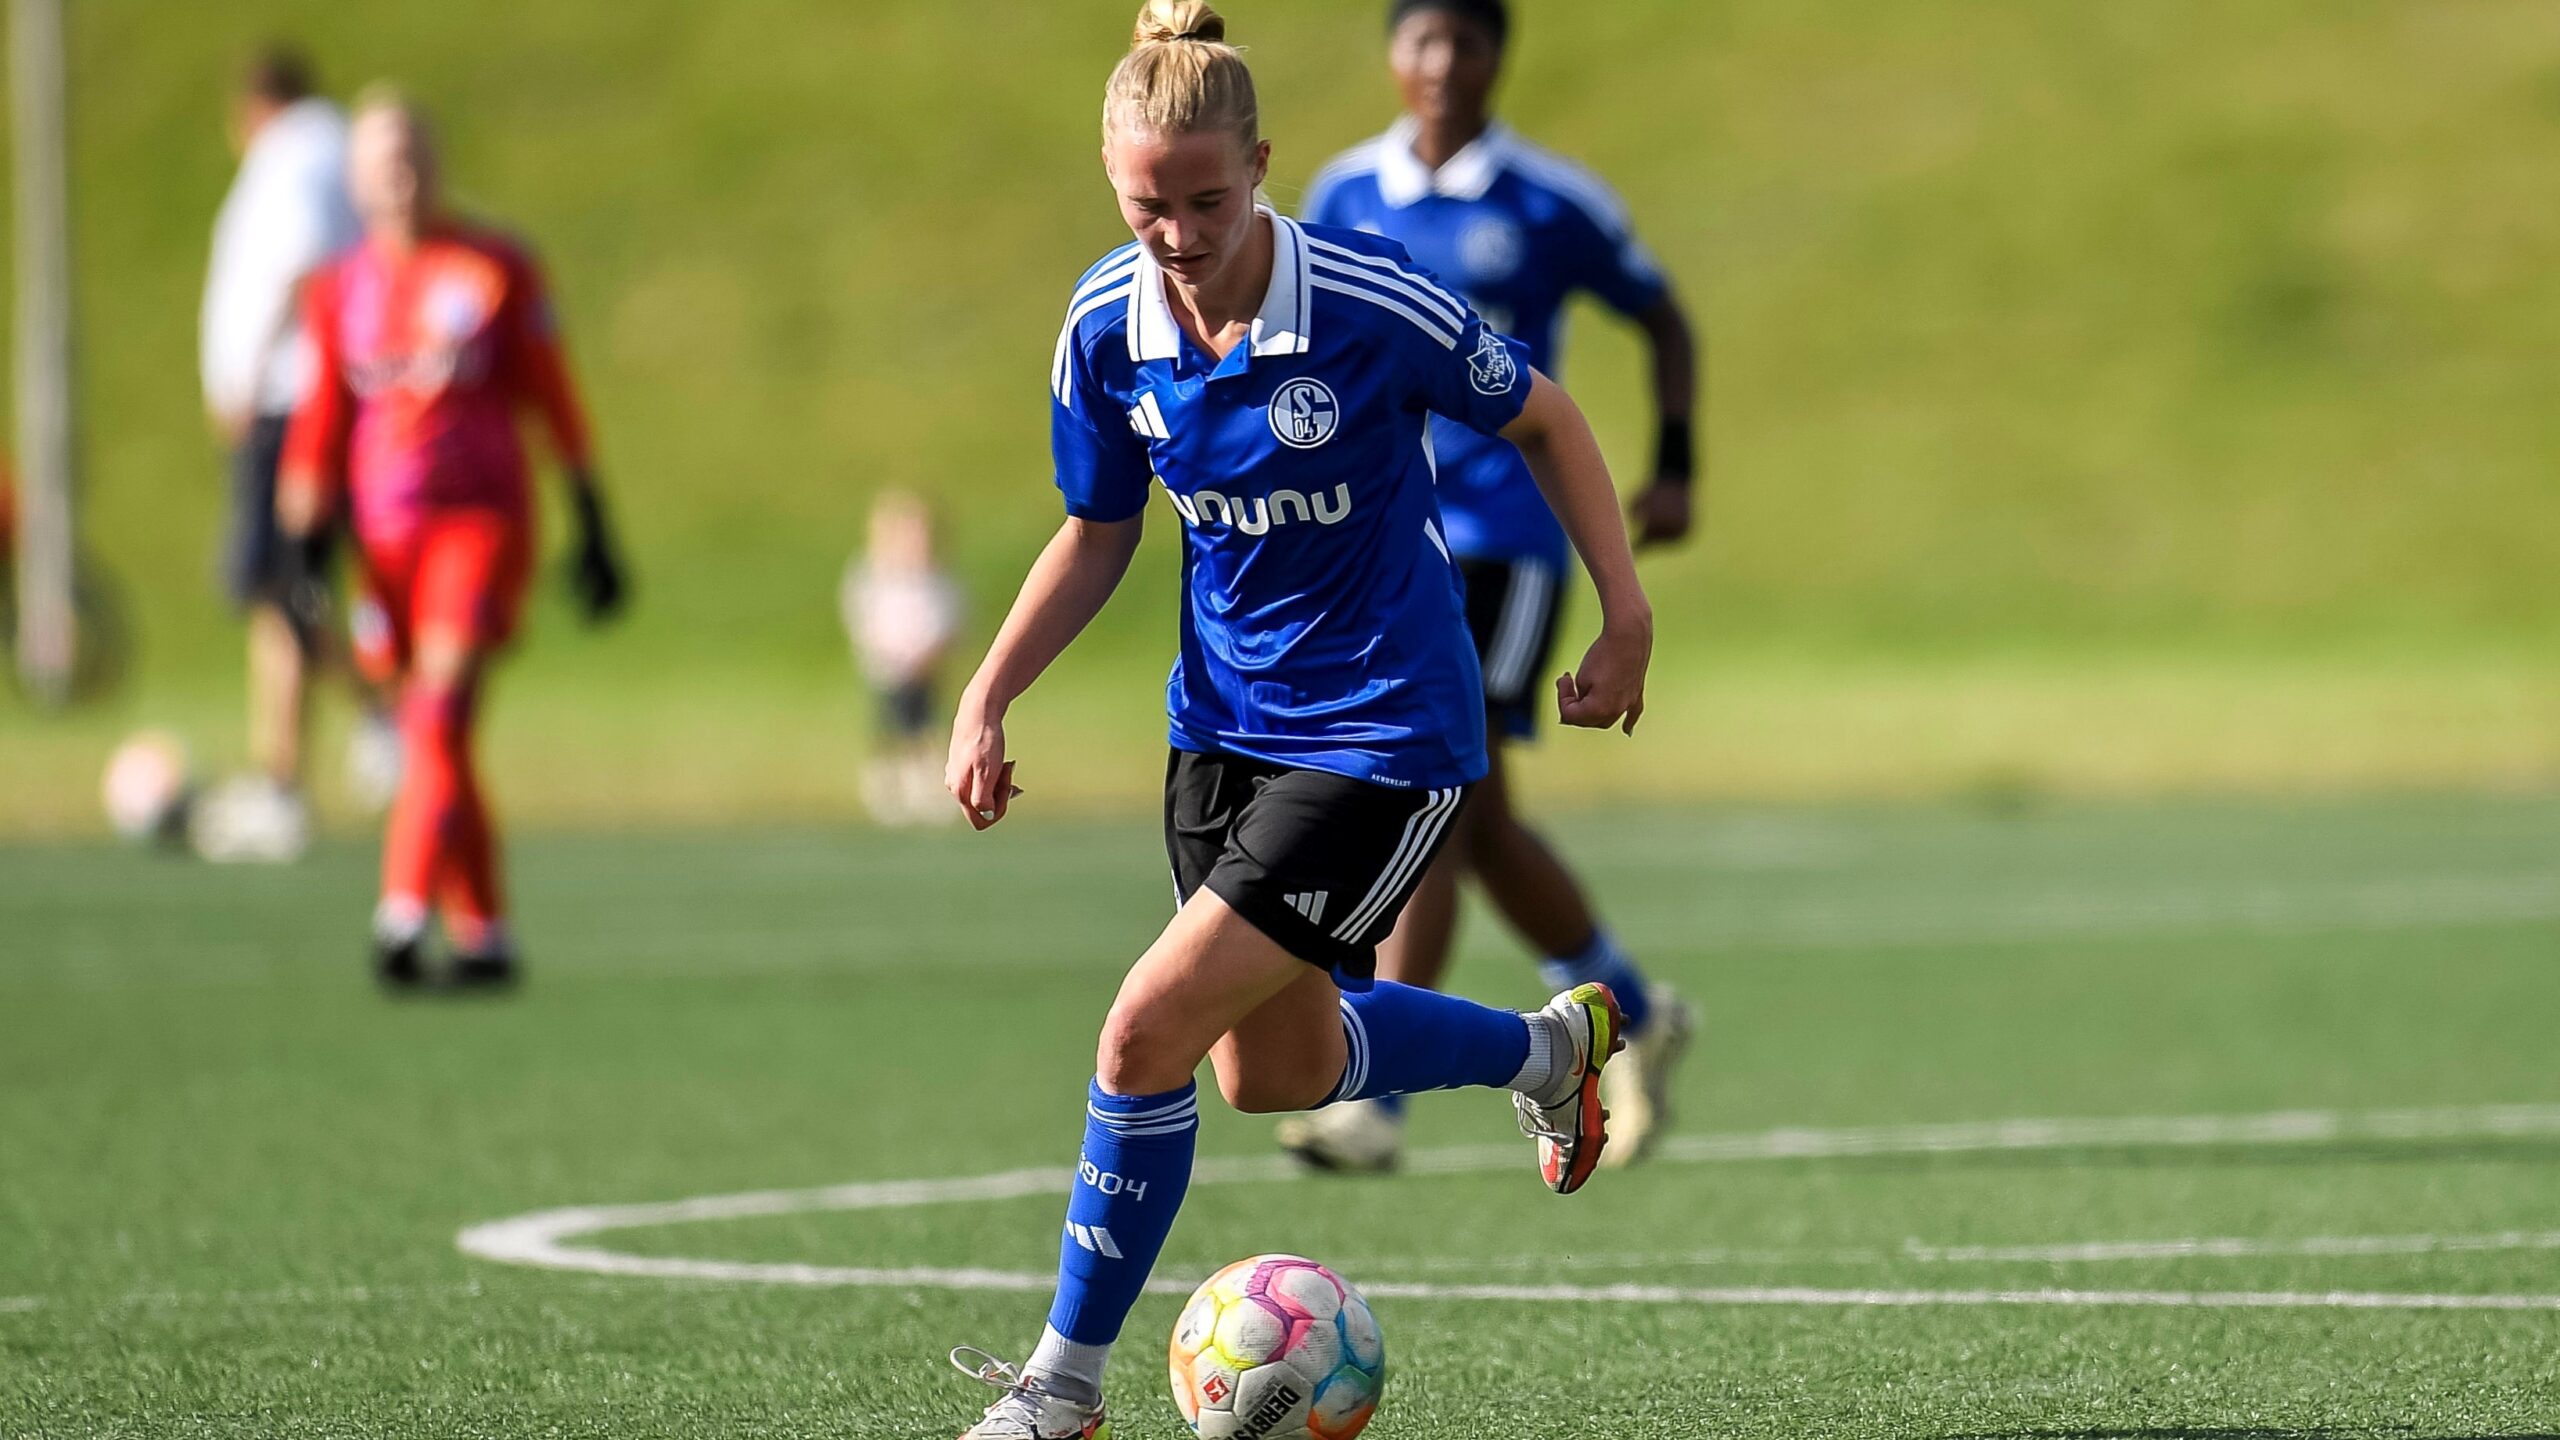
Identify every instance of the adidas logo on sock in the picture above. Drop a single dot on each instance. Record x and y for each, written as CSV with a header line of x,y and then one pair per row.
x,y
1309,904
1095,1239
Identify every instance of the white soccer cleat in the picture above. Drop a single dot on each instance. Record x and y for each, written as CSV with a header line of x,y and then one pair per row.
x,y
1637,1086
1351,1137
884,791
925,802
250,820
1026,1411
1568,1122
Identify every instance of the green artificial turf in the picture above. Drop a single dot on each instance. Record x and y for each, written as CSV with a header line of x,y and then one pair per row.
x,y
232,1176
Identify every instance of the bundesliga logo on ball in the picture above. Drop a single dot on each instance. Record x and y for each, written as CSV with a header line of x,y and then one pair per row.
x,y
1277,1348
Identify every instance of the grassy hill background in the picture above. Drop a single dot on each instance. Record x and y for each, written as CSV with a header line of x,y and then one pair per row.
x,y
2110,398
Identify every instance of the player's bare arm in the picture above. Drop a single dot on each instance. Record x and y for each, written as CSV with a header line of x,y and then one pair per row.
x,y
302,503
1664,510
1066,588
1565,458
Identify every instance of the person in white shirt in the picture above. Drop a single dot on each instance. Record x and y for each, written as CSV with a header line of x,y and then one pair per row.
x,y
287,211
902,611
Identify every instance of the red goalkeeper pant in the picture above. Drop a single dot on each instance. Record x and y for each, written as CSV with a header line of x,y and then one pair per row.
x,y
441,846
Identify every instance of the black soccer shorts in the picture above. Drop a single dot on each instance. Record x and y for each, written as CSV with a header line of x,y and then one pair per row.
x,y
1321,863
1512,608
906,709
254,571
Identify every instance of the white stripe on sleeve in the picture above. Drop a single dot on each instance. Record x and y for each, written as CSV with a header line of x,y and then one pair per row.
x,y
1446,340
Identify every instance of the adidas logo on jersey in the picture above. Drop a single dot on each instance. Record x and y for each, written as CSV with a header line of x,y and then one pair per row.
x,y
1147,418
1309,904
1256,515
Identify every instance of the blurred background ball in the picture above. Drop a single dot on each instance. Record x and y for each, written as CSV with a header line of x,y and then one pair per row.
x,y
1277,1348
148,788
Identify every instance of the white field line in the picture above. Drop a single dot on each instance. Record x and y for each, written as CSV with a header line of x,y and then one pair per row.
x,y
1806,1295
295,1295
541,1239
2221,1247
2282,1127
2232,1247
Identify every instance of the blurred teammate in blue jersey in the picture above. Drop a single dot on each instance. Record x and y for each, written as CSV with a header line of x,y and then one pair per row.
x,y
1516,231
1326,713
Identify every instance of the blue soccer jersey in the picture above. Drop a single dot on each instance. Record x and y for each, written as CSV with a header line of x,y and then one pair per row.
x,y
1322,627
1517,230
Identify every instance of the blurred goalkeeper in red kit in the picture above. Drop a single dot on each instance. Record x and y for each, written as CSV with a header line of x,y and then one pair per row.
x,y
432,337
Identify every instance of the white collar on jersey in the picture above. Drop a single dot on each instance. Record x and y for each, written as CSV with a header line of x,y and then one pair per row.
x,y
1403,178
1279,328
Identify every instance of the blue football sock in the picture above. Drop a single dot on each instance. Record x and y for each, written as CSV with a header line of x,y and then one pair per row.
x,y
1404,1040
1392,1104
1129,1184
1603,961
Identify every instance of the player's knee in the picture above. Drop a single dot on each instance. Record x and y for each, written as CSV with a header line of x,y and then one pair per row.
x,y
1140,1055
444,659
1273,1090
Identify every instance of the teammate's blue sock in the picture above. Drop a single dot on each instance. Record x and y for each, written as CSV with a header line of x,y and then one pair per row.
x,y
1392,1104
1129,1184
1603,961
1404,1040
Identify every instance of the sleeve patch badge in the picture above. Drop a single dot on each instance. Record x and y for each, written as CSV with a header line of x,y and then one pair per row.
x,y
1491,369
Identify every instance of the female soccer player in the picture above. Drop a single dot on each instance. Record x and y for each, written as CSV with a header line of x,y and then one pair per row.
x,y
1327,716
1516,230
429,337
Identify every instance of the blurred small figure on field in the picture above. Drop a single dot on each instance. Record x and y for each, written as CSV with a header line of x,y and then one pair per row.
x,y
902,611
287,213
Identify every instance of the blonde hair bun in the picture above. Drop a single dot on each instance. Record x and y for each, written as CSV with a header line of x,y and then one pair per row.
x,y
1180,76
1165,21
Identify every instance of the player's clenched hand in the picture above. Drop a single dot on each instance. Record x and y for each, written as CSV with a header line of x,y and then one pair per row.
x,y
1661,512
1609,688
309,604
978,775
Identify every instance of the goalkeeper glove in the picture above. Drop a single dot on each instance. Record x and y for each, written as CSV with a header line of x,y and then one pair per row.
x,y
595,571
303,589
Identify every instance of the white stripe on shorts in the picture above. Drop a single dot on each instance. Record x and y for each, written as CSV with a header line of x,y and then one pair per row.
x,y
1516,634
1421,832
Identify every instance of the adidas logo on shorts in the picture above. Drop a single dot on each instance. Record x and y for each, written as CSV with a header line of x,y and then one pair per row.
x,y
1309,904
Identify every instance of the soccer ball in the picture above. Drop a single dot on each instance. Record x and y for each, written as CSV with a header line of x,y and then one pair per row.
x,y
148,788
1277,1348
